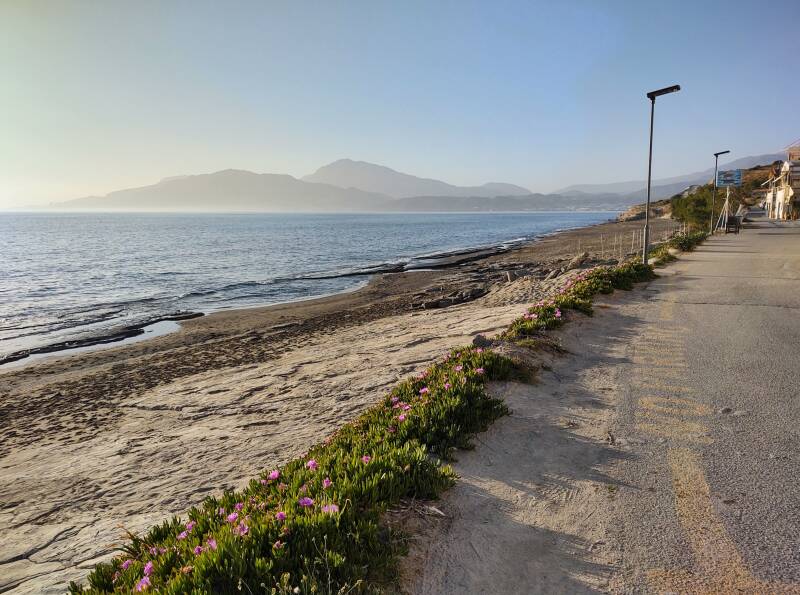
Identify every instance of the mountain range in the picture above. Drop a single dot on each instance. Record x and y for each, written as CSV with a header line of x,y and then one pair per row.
x,y
347,185
666,187
347,173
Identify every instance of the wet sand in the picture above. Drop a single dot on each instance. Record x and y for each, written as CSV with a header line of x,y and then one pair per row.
x,y
125,436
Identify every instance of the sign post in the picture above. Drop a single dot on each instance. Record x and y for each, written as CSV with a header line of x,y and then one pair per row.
x,y
727,179
731,177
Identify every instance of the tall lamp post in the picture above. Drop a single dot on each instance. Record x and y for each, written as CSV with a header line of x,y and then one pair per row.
x,y
652,97
714,192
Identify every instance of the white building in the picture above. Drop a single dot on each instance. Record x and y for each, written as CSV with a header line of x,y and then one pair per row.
x,y
782,199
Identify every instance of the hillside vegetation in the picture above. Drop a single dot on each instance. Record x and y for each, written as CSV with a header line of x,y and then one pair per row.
x,y
695,208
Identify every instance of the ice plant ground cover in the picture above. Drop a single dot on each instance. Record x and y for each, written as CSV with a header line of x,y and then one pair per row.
x,y
685,242
577,294
313,526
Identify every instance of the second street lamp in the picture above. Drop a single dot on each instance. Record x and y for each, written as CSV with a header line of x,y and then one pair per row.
x,y
714,192
652,97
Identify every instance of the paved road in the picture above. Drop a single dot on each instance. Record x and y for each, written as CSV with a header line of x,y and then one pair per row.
x,y
710,414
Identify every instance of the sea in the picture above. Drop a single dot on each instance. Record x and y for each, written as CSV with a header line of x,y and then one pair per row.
x,y
69,278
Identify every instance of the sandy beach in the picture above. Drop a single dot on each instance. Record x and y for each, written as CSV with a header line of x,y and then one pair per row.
x,y
120,438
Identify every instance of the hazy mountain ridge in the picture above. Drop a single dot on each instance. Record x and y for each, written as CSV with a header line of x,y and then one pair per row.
x,y
232,189
370,177
672,185
241,190
531,202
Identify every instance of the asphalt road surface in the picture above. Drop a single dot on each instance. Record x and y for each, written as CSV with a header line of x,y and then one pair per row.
x,y
710,408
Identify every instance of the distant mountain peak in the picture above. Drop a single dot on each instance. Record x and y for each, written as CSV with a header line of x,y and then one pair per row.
x,y
371,177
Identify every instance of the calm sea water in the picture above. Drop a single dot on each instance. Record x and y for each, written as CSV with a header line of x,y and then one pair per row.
x,y
73,276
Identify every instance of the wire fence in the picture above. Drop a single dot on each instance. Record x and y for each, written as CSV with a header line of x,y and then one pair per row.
x,y
621,245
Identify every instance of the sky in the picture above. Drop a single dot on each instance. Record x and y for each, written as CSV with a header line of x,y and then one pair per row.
x,y
103,95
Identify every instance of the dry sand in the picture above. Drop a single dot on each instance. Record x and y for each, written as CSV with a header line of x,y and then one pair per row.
x,y
529,512
123,437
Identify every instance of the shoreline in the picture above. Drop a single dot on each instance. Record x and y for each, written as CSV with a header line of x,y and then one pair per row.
x,y
128,334
115,437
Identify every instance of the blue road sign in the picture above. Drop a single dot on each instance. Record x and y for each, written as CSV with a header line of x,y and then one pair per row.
x,y
732,177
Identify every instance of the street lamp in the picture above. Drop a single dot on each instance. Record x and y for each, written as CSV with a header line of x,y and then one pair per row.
x,y
714,192
652,97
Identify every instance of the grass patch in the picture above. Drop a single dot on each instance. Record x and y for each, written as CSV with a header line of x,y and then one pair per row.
x,y
313,526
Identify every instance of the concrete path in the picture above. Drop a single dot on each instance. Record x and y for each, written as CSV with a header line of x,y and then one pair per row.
x,y
660,456
713,505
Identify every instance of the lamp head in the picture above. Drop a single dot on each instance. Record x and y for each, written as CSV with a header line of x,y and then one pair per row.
x,y
653,94
720,153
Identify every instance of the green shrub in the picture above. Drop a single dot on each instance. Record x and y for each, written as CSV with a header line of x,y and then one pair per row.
x,y
577,295
689,241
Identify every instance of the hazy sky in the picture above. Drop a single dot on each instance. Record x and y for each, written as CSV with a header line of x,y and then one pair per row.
x,y
102,95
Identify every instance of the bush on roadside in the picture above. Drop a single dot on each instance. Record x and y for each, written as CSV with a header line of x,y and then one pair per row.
x,y
689,241
577,294
684,242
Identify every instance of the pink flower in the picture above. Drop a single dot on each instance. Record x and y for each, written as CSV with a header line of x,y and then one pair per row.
x,y
190,525
398,405
312,464
239,506
447,385
126,564
143,584
326,483
221,511
303,489
479,350
394,400
242,529
401,417
458,368
330,508
406,407
274,475
424,390
233,517
479,371
558,313
148,568
280,515
198,550
278,545
183,535
212,543
305,502
391,429
366,459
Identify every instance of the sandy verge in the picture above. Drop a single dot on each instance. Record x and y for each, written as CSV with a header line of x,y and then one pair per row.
x,y
126,436
529,510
